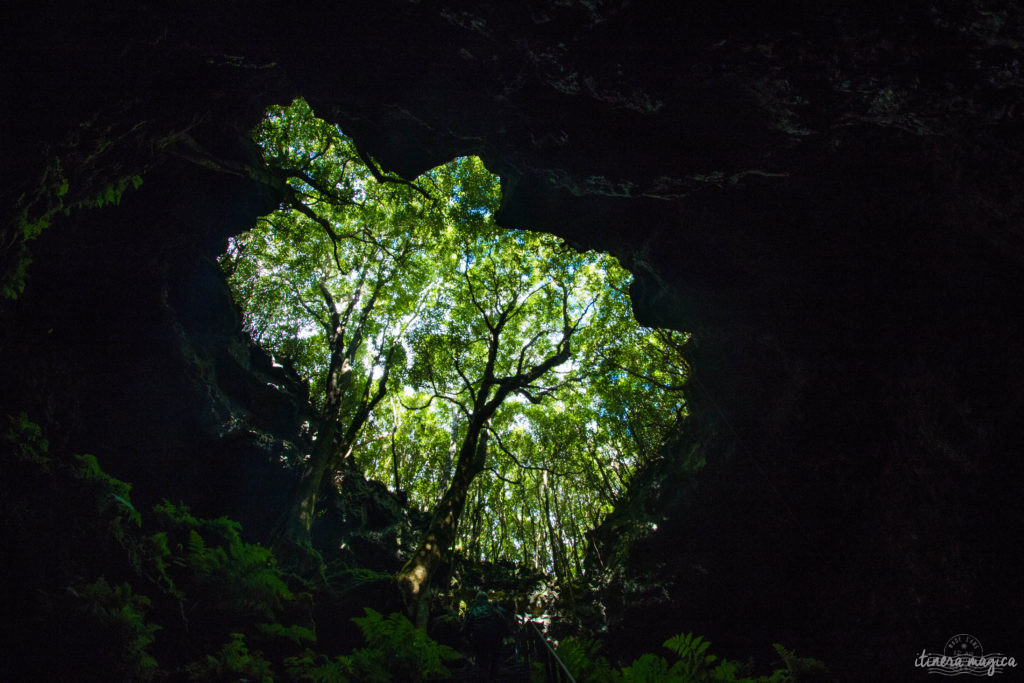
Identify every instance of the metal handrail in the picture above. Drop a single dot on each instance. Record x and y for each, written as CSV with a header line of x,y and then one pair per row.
x,y
552,652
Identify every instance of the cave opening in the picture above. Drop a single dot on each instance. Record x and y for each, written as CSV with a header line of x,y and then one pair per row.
x,y
494,379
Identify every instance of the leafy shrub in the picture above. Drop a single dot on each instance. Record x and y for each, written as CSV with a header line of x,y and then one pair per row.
x,y
396,650
583,659
71,549
25,441
650,668
310,667
800,669
51,197
224,586
694,663
91,581
221,573
233,663
107,631
97,505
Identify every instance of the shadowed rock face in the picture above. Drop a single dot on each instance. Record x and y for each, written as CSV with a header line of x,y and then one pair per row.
x,y
825,194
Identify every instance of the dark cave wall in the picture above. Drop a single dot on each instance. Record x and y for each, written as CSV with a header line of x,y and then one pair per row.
x,y
127,345
825,196
858,529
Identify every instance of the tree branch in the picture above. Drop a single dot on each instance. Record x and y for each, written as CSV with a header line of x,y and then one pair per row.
x,y
305,177
299,206
641,376
302,302
495,472
337,328
537,468
381,178
363,413
509,384
465,380
522,352
472,298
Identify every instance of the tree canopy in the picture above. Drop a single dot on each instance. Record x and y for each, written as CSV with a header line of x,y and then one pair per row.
x,y
496,377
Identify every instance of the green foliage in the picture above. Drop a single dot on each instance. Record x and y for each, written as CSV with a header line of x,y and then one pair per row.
x,y
223,587
650,668
53,196
111,193
111,496
344,578
67,563
312,668
102,503
231,585
15,273
108,626
117,593
799,669
23,439
296,634
234,662
433,312
583,658
694,663
396,650
694,659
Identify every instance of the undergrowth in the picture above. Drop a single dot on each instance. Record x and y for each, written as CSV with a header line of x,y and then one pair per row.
x,y
103,592
692,663
100,591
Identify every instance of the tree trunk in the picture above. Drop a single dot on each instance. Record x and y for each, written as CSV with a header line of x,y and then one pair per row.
x,y
416,577
556,556
503,526
612,498
578,544
296,526
473,549
394,455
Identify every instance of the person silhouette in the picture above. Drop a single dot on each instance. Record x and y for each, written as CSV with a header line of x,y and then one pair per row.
x,y
484,629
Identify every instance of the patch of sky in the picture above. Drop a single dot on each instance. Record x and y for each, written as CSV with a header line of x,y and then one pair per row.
x,y
308,330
